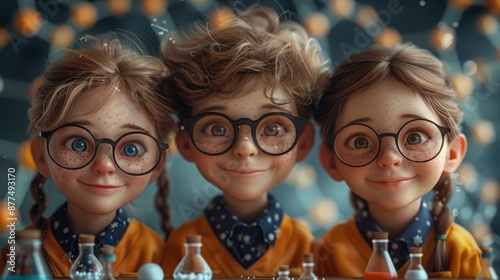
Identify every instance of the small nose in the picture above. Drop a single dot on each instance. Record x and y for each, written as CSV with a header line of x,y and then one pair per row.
x,y
389,154
244,146
103,162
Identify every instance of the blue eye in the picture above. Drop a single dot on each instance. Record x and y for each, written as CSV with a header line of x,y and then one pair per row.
x,y
131,150
79,145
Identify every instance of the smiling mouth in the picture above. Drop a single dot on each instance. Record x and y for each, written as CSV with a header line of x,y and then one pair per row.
x,y
102,188
244,172
391,182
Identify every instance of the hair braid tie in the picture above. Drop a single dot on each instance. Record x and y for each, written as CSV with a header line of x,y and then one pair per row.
x,y
441,237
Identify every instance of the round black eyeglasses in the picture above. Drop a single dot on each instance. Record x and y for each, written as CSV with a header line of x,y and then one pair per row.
x,y
214,133
419,140
73,147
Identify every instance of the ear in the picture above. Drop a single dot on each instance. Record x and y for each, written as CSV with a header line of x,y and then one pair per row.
x,y
306,142
456,154
184,145
327,160
37,151
159,168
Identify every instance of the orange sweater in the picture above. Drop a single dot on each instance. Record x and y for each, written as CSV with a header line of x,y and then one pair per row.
x,y
139,245
293,241
344,253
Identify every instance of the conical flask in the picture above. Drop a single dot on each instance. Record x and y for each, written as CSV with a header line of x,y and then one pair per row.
x,y
86,265
193,266
416,271
380,266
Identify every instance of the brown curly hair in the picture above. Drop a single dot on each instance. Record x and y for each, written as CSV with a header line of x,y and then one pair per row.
x,y
254,45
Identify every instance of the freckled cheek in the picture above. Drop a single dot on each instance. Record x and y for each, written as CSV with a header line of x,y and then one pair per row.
x,y
437,166
283,163
352,177
63,175
207,163
439,160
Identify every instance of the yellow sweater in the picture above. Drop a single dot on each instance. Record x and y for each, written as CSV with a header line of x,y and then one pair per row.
x,y
293,241
139,245
344,253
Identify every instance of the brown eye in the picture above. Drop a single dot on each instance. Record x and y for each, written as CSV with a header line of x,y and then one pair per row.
x,y
218,130
272,130
414,139
360,143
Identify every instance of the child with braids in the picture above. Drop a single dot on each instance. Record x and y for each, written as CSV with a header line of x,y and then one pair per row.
x,y
99,127
390,126
243,95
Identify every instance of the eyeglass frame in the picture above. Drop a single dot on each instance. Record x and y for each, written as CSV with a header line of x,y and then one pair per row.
x,y
442,129
47,135
189,123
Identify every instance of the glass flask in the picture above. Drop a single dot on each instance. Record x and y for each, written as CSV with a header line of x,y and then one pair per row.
x,y
108,259
308,268
380,266
416,271
193,266
487,271
24,259
86,265
283,272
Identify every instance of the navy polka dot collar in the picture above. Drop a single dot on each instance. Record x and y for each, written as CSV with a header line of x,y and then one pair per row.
x,y
414,235
67,237
246,242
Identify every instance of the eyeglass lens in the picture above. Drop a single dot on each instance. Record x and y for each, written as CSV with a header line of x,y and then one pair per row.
x,y
274,134
418,141
73,147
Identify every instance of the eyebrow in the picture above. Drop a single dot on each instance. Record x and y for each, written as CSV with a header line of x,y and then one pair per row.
x,y
127,125
276,108
412,116
360,120
367,119
135,127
